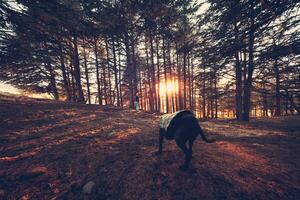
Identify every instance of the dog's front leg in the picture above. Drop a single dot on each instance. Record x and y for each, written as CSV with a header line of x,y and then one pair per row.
x,y
161,140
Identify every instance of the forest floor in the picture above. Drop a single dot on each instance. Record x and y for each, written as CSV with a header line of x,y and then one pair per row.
x,y
55,150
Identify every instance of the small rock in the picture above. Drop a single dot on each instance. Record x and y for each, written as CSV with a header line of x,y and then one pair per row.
x,y
2,193
88,187
111,134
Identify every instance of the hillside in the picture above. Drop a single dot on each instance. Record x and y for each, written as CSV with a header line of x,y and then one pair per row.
x,y
56,150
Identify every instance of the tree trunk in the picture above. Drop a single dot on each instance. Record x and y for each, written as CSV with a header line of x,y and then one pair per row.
x,y
52,80
189,82
116,72
286,103
184,80
141,89
120,80
149,77
204,94
192,85
171,76
64,74
292,103
74,96
265,103
277,89
108,72
165,75
179,79
97,71
216,98
107,94
77,71
158,74
211,97
134,67
238,77
130,71
153,79
86,74
248,83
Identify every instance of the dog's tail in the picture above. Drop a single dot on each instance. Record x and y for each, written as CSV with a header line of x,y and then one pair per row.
x,y
204,138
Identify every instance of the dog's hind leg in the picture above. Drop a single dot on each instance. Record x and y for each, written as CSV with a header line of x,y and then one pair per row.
x,y
161,141
182,146
190,150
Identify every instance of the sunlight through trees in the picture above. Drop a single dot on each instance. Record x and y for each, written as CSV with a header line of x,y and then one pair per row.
x,y
235,58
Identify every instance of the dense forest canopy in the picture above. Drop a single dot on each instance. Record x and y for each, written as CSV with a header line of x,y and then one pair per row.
x,y
219,58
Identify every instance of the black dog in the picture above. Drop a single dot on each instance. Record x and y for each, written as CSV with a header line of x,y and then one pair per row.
x,y
183,127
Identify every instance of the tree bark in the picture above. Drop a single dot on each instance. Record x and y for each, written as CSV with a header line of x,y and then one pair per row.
x,y
216,98
107,80
192,85
141,89
116,72
130,71
120,80
248,82
158,74
171,75
189,81
64,74
292,103
134,65
277,89
179,78
204,94
86,74
184,79
74,96
211,97
149,75
238,77
153,79
97,71
165,75
52,80
77,71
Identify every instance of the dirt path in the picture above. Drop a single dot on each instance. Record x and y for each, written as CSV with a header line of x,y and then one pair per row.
x,y
51,150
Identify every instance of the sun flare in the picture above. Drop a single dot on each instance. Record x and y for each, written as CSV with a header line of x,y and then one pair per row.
x,y
168,87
